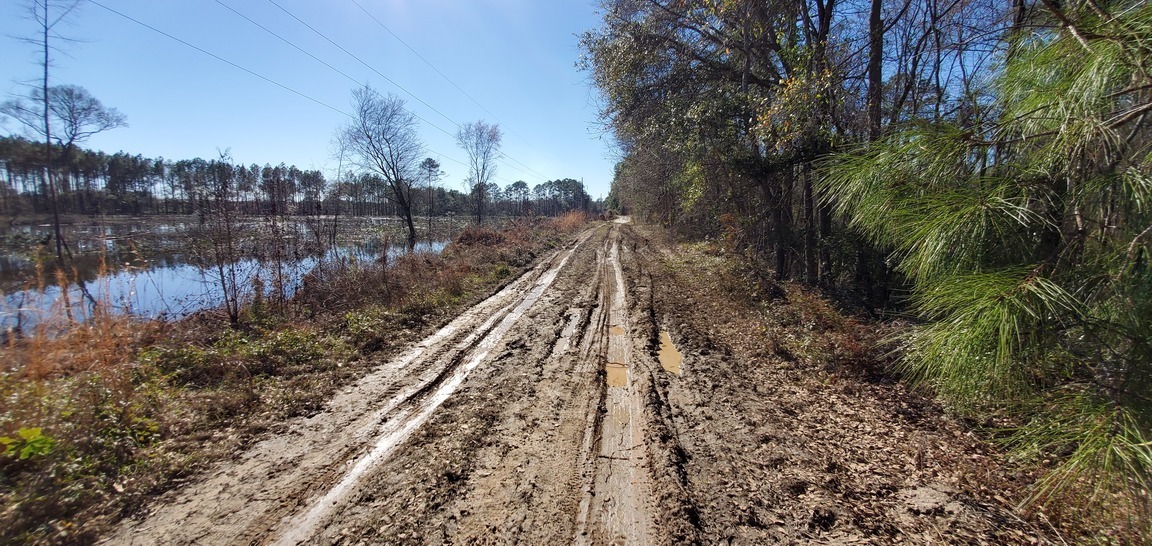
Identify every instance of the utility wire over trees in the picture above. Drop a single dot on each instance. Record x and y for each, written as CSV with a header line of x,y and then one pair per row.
x,y
382,139
481,141
522,167
93,182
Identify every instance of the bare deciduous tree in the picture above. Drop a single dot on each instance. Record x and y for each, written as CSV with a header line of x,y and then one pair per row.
x,y
482,142
76,115
73,108
223,233
382,138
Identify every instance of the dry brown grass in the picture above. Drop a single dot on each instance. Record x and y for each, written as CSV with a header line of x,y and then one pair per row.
x,y
480,235
74,413
570,221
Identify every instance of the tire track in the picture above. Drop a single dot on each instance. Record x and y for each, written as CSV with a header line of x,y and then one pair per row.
x,y
523,484
615,507
467,355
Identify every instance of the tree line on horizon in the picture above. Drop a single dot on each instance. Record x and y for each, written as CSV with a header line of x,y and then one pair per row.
x,y
983,167
94,183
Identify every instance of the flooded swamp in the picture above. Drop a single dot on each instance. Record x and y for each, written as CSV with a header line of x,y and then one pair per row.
x,y
171,267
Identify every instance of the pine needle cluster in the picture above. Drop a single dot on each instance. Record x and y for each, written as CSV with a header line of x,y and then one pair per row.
x,y
1026,237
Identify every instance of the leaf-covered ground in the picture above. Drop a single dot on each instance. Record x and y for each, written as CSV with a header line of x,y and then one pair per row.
x,y
785,428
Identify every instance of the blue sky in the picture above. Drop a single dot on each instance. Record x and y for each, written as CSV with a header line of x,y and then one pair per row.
x,y
515,58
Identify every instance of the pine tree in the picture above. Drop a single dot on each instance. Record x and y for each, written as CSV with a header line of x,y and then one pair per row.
x,y
1025,236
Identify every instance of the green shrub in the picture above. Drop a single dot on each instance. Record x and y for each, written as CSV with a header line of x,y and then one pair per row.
x,y
31,442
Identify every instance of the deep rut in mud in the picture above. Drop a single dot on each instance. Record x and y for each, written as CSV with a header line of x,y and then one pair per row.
x,y
614,508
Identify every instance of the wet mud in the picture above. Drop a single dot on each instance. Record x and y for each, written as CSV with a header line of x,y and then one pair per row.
x,y
559,411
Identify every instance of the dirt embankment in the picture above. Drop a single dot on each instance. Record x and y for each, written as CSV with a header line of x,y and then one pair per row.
x,y
543,415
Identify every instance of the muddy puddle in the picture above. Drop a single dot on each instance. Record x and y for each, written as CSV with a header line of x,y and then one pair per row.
x,y
615,330
670,357
617,374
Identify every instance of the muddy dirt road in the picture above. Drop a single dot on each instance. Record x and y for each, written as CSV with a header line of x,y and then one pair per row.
x,y
545,415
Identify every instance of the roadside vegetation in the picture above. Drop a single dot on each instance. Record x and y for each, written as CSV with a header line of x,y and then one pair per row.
x,y
100,413
978,170
792,376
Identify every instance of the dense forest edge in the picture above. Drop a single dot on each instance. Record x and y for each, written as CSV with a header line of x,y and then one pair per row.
x,y
977,170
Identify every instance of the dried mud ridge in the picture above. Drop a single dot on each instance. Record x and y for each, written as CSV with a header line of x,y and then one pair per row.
x,y
542,416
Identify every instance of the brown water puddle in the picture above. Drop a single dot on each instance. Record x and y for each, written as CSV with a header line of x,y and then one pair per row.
x,y
615,330
617,374
670,357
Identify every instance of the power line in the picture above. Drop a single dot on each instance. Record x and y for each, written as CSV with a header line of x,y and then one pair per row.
x,y
398,86
317,59
533,173
449,80
270,80
513,159
223,60
369,67
285,40
253,73
338,71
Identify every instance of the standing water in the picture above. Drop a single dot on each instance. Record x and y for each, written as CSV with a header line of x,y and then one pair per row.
x,y
168,285
669,355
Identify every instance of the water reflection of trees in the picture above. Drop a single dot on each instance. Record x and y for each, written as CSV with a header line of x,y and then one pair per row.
x,y
168,269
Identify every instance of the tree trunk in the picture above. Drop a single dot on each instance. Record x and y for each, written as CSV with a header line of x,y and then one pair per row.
x,y
875,65
48,149
811,269
406,210
865,256
479,193
779,200
784,228
825,214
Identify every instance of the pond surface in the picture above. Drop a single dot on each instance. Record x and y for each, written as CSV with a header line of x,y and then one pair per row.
x,y
165,279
